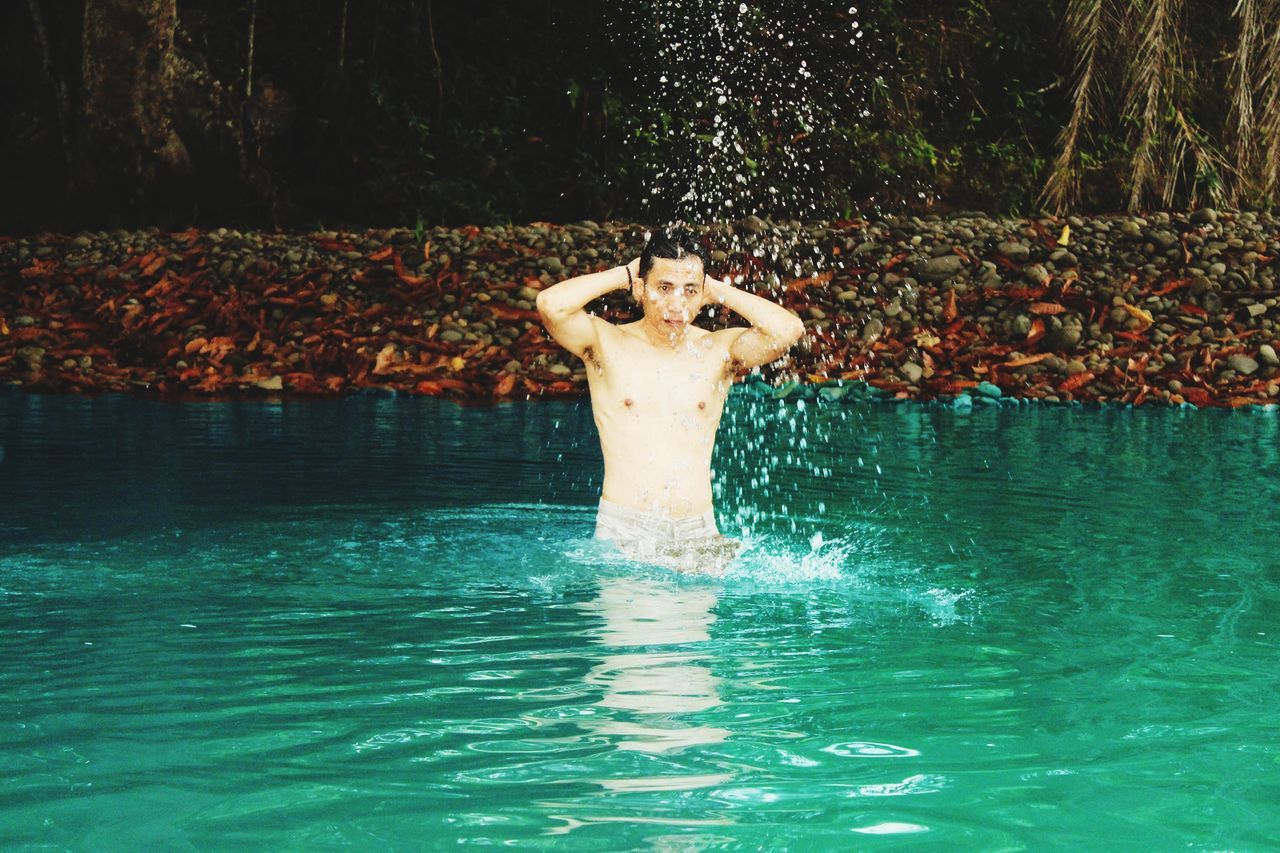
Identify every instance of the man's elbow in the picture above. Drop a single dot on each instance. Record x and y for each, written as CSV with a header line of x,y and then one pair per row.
x,y
795,330
545,303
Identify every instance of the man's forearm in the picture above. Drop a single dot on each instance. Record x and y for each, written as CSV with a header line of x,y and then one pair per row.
x,y
573,293
769,317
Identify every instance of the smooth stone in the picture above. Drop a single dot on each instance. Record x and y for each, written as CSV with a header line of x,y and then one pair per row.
x,y
1203,216
986,389
1242,364
1267,353
1257,309
942,267
451,336
560,369
1018,252
911,371
872,329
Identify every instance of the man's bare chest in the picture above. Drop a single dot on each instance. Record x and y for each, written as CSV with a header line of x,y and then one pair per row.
x,y
691,377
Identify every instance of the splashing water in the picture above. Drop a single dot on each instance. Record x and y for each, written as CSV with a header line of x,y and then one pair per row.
x,y
736,104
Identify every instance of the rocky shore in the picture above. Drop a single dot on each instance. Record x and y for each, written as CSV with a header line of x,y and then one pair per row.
x,y
1143,310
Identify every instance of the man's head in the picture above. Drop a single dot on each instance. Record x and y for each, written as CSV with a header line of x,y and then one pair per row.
x,y
672,279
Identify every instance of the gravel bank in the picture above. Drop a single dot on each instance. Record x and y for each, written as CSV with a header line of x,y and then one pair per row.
x,y
1155,309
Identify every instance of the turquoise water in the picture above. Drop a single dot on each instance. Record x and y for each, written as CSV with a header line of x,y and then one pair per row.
x,y
381,623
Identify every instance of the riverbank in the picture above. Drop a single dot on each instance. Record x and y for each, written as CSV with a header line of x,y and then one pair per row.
x,y
1158,309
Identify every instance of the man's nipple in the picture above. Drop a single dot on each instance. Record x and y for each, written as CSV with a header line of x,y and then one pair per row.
x,y
702,404
628,402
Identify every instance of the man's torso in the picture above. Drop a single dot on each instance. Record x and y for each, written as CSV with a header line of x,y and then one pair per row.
x,y
657,410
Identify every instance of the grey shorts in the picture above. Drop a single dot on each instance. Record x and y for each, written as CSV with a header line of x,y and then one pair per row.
x,y
657,538
615,521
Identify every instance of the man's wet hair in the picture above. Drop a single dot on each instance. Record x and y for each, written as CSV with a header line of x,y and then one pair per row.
x,y
675,244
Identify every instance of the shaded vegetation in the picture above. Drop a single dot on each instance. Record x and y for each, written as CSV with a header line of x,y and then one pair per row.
x,y
418,112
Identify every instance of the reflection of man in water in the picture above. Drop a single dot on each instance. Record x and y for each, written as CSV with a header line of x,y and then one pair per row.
x,y
658,387
651,691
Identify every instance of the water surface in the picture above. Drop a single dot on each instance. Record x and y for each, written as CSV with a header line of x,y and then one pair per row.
x,y
383,623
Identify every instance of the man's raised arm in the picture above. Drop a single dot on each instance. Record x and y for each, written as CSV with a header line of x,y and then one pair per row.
x,y
561,304
774,329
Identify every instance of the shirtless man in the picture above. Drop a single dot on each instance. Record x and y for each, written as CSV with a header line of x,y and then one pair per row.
x,y
658,386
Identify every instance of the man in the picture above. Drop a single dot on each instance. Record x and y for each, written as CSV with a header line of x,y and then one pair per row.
x,y
658,387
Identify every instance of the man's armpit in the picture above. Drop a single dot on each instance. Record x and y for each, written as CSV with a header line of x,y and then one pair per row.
x,y
733,366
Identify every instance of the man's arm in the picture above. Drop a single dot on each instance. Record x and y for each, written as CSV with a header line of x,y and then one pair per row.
x,y
774,329
561,305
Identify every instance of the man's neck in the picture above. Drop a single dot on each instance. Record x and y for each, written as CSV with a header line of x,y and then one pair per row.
x,y
662,340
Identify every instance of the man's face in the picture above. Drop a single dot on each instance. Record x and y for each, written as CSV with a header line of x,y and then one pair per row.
x,y
671,293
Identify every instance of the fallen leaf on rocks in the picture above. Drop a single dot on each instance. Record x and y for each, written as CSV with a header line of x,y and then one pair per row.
x,y
1036,332
1028,359
386,357
1139,313
1071,383
949,311
1176,284
509,313
414,280
1046,308
925,338
1196,396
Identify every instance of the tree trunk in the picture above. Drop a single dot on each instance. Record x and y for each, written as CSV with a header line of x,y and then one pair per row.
x,y
130,154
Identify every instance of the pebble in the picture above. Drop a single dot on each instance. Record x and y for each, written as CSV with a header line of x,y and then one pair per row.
x,y
1267,354
943,267
1016,252
986,389
1242,364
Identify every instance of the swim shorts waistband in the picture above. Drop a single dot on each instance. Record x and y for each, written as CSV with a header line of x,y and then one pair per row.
x,y
618,521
